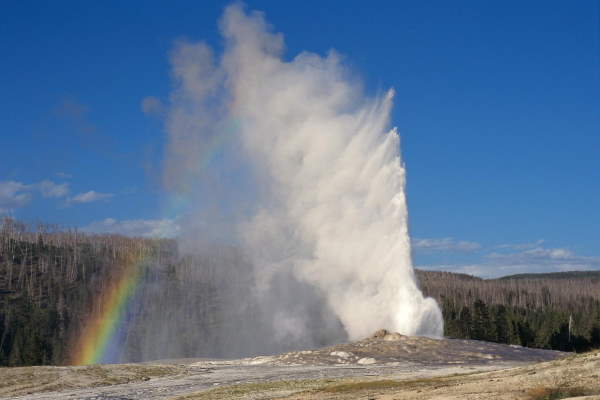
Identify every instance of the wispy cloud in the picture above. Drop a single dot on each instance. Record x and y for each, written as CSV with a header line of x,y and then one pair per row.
x,y
537,259
64,175
444,244
557,258
90,196
159,228
52,189
13,195
521,246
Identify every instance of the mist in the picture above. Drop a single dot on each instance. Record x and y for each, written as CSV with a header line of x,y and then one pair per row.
x,y
288,164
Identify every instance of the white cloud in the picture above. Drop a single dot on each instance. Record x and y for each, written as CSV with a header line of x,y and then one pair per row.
x,y
158,228
90,196
51,189
444,244
13,195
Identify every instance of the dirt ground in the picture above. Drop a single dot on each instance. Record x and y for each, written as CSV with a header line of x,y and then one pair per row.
x,y
385,367
572,377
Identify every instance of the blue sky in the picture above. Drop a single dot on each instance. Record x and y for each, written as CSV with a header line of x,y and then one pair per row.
x,y
496,104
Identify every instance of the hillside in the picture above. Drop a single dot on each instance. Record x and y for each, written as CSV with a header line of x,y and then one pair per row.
x,y
593,275
535,311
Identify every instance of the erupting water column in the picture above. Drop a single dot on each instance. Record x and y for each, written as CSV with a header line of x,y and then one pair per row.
x,y
329,207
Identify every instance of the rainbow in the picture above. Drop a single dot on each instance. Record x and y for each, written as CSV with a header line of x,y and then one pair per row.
x,y
99,335
100,329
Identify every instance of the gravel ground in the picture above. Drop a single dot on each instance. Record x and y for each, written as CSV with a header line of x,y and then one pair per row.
x,y
388,355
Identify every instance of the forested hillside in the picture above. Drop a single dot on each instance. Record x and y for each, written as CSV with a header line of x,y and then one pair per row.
x,y
558,311
594,275
48,283
51,281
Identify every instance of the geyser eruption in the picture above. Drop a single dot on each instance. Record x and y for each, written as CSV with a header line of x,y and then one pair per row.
x,y
292,164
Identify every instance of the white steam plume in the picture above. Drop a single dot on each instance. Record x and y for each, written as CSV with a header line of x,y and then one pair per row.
x,y
315,169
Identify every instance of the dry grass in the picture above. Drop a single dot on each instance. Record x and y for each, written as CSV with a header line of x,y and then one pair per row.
x,y
385,384
577,375
257,390
27,380
316,388
556,393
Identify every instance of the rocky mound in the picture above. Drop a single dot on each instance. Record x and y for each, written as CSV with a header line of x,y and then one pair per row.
x,y
392,348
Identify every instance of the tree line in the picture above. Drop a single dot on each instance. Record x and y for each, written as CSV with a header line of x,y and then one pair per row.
x,y
559,311
51,280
